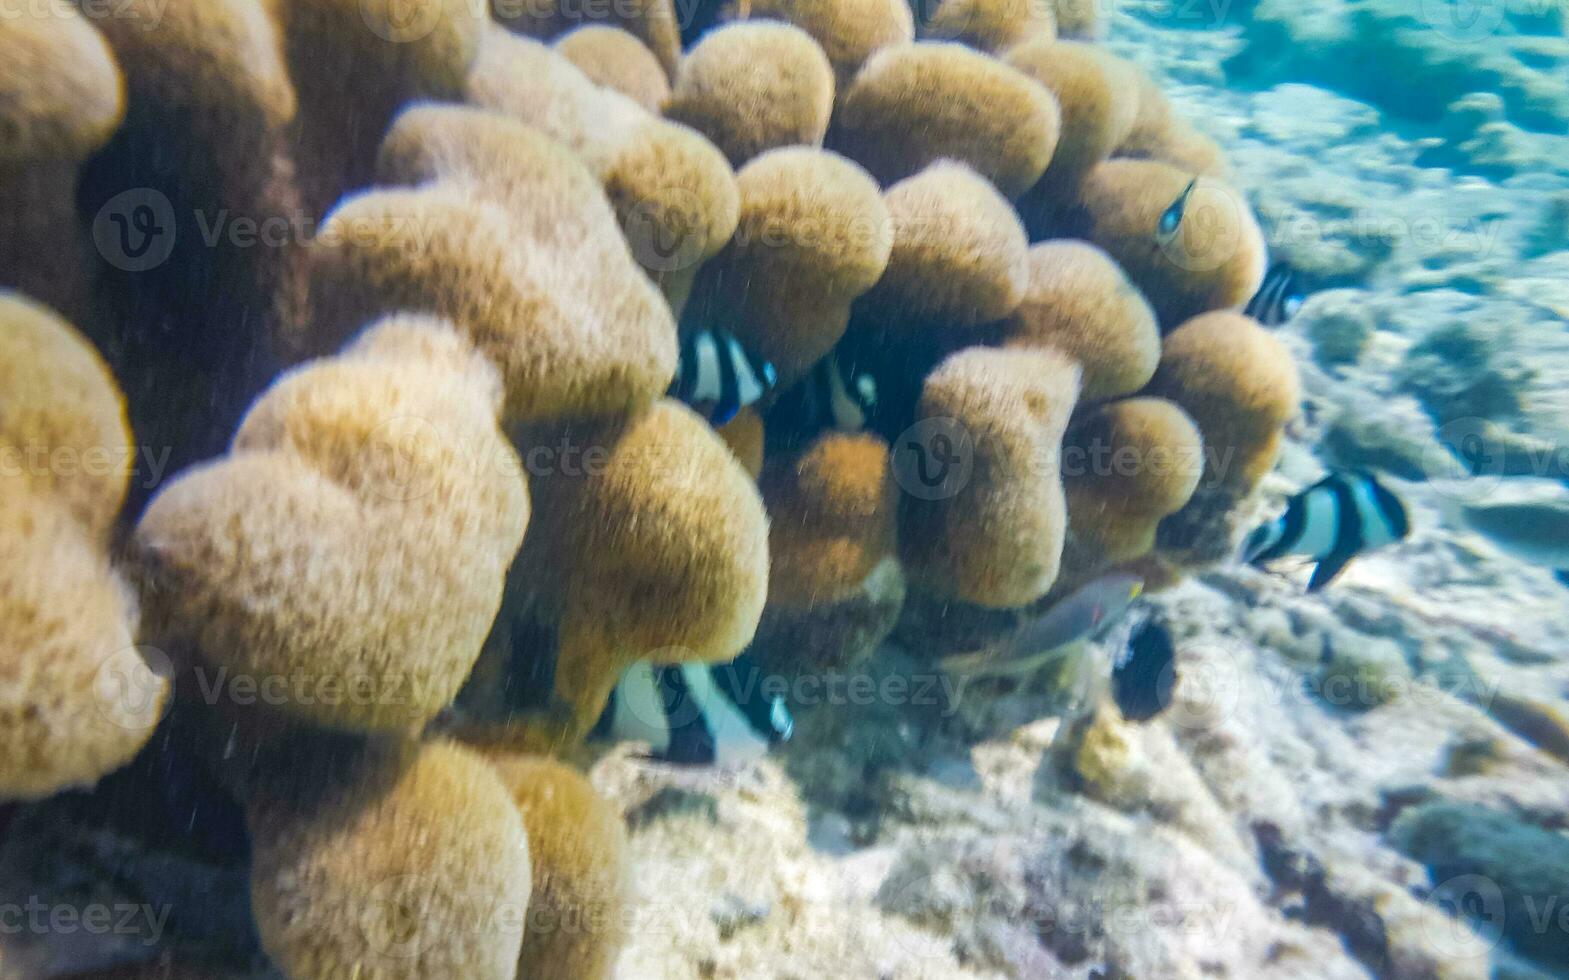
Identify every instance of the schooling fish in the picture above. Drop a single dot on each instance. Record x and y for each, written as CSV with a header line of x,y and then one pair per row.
x,y
1171,218
1062,631
718,376
697,714
1144,674
1339,517
1278,300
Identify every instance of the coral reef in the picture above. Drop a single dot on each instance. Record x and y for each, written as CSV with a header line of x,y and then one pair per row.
x,y
577,846
997,541
303,554
402,860
79,699
912,105
430,500
753,87
813,236
616,59
850,31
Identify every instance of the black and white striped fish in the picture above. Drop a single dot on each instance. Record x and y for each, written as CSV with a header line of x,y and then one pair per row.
x,y
840,397
1278,299
697,714
1171,218
717,376
1331,522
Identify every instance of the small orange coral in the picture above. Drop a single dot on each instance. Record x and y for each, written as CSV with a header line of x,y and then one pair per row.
x,y
833,514
1126,465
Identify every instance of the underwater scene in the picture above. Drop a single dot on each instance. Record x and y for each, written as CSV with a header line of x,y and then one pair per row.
x,y
784,489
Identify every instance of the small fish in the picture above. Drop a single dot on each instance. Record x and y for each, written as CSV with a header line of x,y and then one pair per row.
x,y
1341,516
1278,299
697,714
1145,673
1171,218
1535,532
717,376
841,397
1064,630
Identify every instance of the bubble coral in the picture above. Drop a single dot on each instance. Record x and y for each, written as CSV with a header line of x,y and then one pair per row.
x,y
994,536
577,848
303,557
653,22
833,511
657,550
1215,260
394,50
672,190
754,86
1098,97
914,104
1239,385
616,59
993,26
79,699
814,234
401,861
850,31
1126,466
572,324
61,98
1079,302
958,257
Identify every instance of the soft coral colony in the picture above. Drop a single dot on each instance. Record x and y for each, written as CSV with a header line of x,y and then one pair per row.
x,y
424,473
